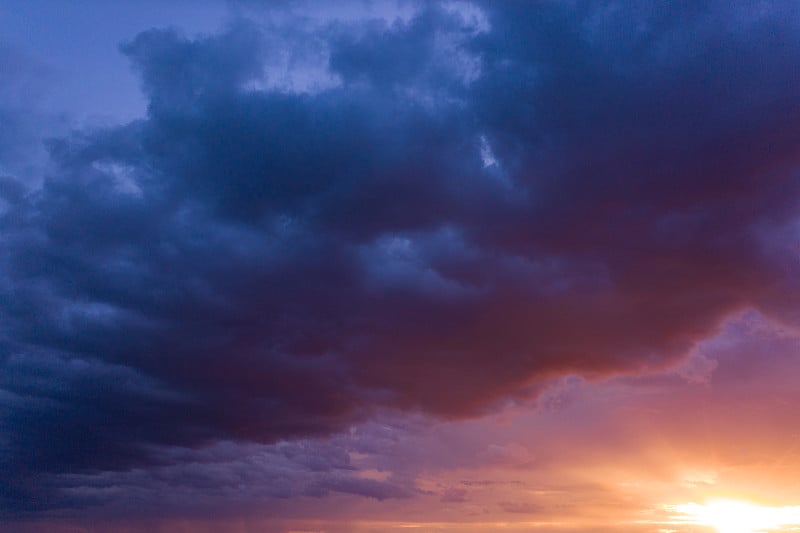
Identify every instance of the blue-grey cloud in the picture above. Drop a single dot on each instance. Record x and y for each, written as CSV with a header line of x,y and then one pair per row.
x,y
582,189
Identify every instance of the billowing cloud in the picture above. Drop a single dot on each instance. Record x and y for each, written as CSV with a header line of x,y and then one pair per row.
x,y
485,199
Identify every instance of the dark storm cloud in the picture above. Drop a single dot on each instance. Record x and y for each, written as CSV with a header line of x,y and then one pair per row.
x,y
583,188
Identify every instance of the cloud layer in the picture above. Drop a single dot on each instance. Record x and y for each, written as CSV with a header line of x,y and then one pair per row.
x,y
487,197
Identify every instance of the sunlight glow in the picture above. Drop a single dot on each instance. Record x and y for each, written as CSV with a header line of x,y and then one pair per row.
x,y
735,516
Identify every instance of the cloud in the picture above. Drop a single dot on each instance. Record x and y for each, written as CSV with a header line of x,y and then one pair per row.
x,y
260,265
371,488
454,495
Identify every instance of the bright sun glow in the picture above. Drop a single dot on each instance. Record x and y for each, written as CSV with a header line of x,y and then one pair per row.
x,y
734,516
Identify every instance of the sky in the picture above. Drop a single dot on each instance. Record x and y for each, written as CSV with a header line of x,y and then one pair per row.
x,y
371,266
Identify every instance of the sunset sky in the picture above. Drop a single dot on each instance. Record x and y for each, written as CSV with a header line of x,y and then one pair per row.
x,y
399,266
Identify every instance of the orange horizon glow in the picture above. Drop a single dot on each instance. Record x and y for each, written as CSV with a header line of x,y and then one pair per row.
x,y
736,516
